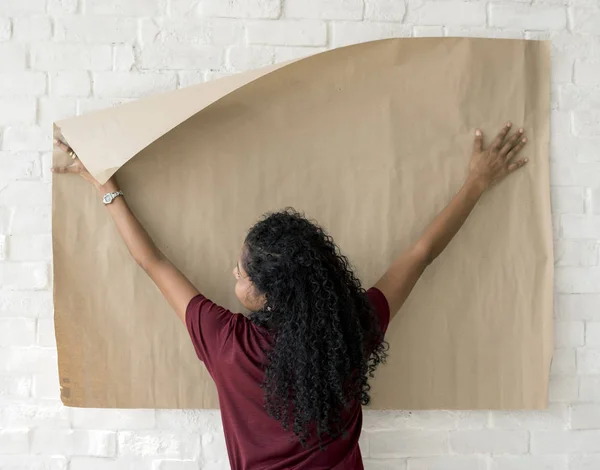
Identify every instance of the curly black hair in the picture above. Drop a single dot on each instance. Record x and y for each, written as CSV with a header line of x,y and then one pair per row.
x,y
327,341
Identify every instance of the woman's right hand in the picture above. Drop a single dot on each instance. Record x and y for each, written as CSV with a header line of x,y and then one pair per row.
x,y
490,165
78,168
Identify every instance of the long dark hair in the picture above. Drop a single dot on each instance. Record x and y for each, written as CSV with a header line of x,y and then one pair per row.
x,y
326,338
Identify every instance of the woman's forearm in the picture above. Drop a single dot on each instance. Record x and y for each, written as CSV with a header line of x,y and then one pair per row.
x,y
448,222
140,245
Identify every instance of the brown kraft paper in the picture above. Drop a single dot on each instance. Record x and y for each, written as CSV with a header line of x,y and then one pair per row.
x,y
370,140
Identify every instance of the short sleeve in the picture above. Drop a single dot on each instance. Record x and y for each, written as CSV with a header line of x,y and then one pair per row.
x,y
381,307
209,326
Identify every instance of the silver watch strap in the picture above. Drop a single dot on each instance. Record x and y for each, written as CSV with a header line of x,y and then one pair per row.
x,y
110,197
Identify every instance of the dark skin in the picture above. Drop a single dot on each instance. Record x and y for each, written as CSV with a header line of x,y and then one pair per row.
x,y
488,166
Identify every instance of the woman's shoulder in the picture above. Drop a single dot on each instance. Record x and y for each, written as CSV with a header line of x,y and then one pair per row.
x,y
380,306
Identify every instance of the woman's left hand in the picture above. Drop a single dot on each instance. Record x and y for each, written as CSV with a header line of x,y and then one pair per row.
x,y
492,164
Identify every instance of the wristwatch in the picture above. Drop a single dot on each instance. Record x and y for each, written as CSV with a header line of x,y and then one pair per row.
x,y
110,197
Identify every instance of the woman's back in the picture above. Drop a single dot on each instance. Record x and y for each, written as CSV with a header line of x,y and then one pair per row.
x,y
234,350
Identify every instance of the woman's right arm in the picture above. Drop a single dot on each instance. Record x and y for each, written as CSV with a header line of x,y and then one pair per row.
x,y
487,167
174,286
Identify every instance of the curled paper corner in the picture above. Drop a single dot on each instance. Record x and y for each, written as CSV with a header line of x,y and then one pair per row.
x,y
107,139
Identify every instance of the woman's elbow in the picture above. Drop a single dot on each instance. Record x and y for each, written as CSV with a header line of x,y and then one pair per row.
x,y
423,252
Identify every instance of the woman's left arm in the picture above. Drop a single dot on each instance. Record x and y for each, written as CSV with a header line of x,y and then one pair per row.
x,y
488,166
174,286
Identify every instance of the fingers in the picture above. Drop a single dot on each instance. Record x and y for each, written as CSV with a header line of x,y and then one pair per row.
x,y
516,149
62,145
516,165
497,143
478,142
62,169
73,167
512,142
65,148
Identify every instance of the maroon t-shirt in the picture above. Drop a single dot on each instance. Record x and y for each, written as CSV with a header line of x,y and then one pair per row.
x,y
232,348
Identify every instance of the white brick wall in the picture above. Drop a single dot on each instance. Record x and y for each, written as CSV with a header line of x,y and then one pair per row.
x,y
61,57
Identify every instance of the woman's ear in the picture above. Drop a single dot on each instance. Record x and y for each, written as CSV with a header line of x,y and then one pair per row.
x,y
262,300
253,298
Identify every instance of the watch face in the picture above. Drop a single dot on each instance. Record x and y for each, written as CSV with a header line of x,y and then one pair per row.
x,y
107,198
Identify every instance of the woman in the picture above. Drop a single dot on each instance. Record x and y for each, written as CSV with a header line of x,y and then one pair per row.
x,y
292,376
